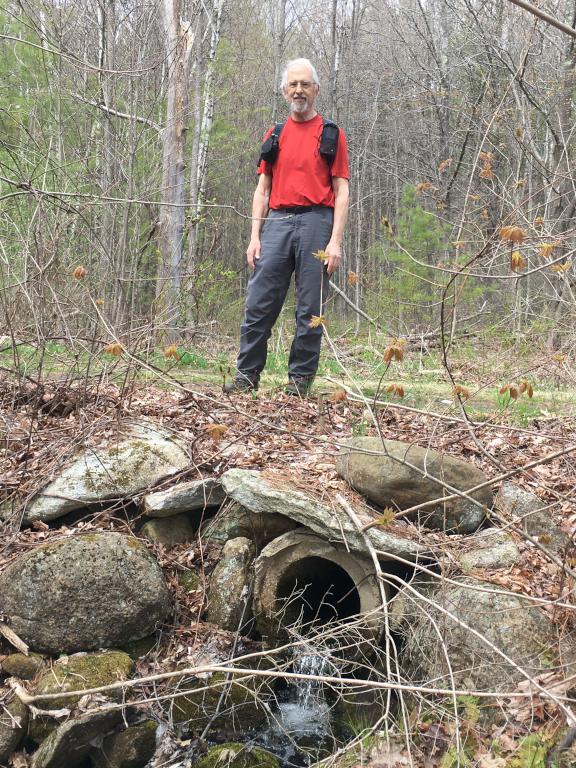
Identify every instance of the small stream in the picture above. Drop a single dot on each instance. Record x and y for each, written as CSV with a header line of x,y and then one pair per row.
x,y
303,726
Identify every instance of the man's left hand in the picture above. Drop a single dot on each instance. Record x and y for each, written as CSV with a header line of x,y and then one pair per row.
x,y
334,253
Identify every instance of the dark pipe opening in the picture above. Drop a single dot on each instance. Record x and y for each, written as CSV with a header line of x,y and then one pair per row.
x,y
315,591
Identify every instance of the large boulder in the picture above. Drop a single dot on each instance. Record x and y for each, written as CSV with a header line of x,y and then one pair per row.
x,y
84,592
533,515
497,625
13,720
129,463
230,593
267,494
402,475
195,495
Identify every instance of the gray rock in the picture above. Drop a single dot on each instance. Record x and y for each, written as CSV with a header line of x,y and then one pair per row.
x,y
169,531
230,593
535,519
185,497
509,622
13,720
132,748
122,468
490,549
84,592
378,469
24,667
234,520
72,741
264,497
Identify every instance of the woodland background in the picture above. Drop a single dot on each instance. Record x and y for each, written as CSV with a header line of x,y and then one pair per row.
x,y
130,131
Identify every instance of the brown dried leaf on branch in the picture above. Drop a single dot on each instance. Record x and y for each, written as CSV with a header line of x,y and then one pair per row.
x,y
512,234
460,391
171,351
216,431
353,278
79,273
395,389
517,261
115,349
338,396
444,165
394,350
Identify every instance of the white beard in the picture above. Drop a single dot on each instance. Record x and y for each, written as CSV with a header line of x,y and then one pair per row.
x,y
299,106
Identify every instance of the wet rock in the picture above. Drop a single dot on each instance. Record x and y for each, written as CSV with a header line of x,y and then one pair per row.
x,y
264,496
132,748
24,667
236,755
69,745
13,721
534,518
242,708
230,593
234,521
122,468
84,592
185,497
511,623
387,481
489,549
169,531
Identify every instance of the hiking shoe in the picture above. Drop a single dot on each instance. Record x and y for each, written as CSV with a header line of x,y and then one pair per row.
x,y
299,385
240,383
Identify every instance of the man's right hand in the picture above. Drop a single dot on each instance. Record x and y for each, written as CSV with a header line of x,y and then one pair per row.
x,y
253,253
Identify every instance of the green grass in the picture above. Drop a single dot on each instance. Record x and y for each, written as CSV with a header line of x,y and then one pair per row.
x,y
425,383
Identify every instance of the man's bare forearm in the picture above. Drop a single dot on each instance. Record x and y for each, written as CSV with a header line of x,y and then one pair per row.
x,y
341,198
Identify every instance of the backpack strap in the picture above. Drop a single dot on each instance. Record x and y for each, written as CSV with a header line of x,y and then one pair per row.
x,y
269,151
329,141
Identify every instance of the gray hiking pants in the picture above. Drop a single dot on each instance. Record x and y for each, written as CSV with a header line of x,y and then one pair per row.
x,y
287,244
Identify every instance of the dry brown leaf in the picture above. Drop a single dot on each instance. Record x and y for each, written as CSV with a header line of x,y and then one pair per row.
x,y
216,431
316,321
353,278
171,351
444,165
115,349
517,261
338,396
79,273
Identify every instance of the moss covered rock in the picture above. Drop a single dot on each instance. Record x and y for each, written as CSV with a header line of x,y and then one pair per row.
x,y
169,531
241,709
189,580
74,673
24,667
13,720
132,748
85,592
236,755
229,597
83,670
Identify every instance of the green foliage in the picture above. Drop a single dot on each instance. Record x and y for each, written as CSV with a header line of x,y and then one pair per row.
x,y
531,753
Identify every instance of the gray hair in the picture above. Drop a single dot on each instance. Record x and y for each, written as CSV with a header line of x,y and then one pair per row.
x,y
298,63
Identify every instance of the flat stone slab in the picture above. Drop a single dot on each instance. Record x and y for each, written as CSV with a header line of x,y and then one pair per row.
x,y
263,496
140,457
490,549
185,497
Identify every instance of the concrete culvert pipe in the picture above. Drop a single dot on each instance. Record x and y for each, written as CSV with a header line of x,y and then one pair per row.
x,y
303,581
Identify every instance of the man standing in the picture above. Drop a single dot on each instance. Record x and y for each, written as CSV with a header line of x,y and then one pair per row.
x,y
299,208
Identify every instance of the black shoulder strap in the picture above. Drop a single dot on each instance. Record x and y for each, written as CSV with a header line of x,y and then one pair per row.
x,y
269,151
329,140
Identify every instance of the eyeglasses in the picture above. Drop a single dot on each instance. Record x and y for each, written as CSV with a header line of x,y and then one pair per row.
x,y
304,84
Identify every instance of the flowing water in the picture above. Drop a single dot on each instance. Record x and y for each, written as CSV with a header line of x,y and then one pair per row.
x,y
301,731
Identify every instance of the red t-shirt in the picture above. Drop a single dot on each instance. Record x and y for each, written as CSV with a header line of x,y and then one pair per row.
x,y
300,175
